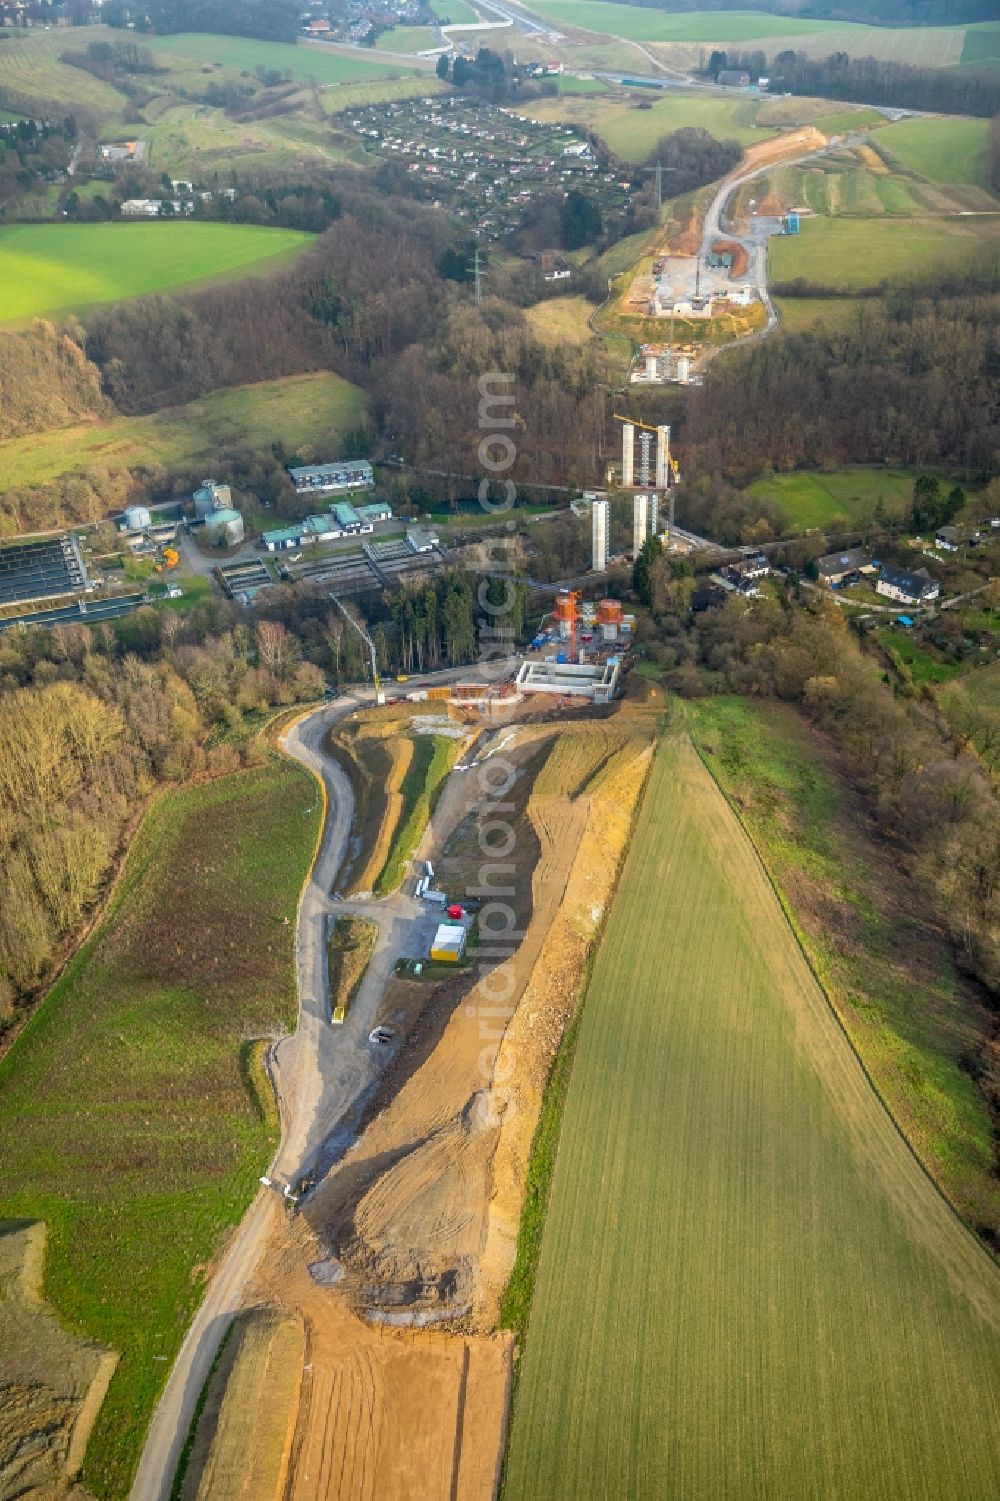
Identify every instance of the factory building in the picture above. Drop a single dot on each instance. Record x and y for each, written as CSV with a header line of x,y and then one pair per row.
x,y
345,474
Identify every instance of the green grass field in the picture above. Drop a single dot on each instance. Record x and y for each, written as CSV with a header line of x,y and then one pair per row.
x,y
408,39
642,24
949,151
747,1289
126,1119
47,269
835,313
982,43
433,758
633,133
855,253
812,498
298,410
303,63
454,12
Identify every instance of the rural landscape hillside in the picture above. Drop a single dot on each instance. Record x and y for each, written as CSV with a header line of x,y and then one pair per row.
x,y
499,750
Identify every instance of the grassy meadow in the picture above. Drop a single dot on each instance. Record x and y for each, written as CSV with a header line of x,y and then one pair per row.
x,y
298,410
813,498
128,1121
950,151
747,1286
982,44
632,133
46,269
305,64
850,254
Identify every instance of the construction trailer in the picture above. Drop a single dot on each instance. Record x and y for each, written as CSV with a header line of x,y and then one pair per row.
x,y
448,945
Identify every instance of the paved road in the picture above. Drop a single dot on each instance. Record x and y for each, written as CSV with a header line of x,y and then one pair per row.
x,y
322,1073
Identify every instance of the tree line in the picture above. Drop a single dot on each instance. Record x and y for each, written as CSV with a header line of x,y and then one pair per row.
x,y
873,80
272,20
871,12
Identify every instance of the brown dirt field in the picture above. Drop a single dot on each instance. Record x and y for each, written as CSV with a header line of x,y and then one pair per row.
x,y
772,205
243,1442
740,258
400,752
780,148
387,1413
51,1383
870,158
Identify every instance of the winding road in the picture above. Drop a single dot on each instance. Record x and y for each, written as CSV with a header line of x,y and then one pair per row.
x,y
322,1074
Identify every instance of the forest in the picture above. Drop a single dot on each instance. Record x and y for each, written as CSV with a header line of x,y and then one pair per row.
x,y
870,12
272,20
94,720
913,379
872,80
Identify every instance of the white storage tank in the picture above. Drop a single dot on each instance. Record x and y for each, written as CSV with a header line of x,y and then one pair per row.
x,y
137,518
225,528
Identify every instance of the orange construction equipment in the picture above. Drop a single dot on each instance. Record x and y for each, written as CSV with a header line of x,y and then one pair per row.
x,y
171,557
609,612
567,614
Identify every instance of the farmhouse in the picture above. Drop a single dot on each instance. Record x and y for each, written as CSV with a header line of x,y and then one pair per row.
x,y
908,588
835,567
345,474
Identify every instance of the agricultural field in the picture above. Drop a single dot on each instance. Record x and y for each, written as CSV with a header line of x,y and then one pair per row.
x,y
130,1117
305,64
763,1262
815,498
298,410
950,151
853,254
982,43
869,934
48,269
642,24
30,70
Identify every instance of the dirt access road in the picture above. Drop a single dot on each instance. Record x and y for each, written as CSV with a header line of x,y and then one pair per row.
x,y
322,1074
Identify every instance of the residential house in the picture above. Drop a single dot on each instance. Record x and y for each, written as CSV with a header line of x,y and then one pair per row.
x,y
917,588
949,538
835,567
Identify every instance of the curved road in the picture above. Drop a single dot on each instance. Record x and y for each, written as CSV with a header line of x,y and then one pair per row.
x,y
322,1076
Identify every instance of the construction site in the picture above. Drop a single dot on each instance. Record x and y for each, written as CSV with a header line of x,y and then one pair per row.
x,y
366,1354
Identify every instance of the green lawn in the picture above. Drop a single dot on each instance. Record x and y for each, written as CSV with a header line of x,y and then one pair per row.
x,y
747,1288
433,758
949,151
811,498
30,68
855,253
47,269
300,409
919,665
835,313
126,1120
983,686
304,63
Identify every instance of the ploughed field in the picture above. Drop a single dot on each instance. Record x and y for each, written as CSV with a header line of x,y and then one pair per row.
x,y
57,268
748,1287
